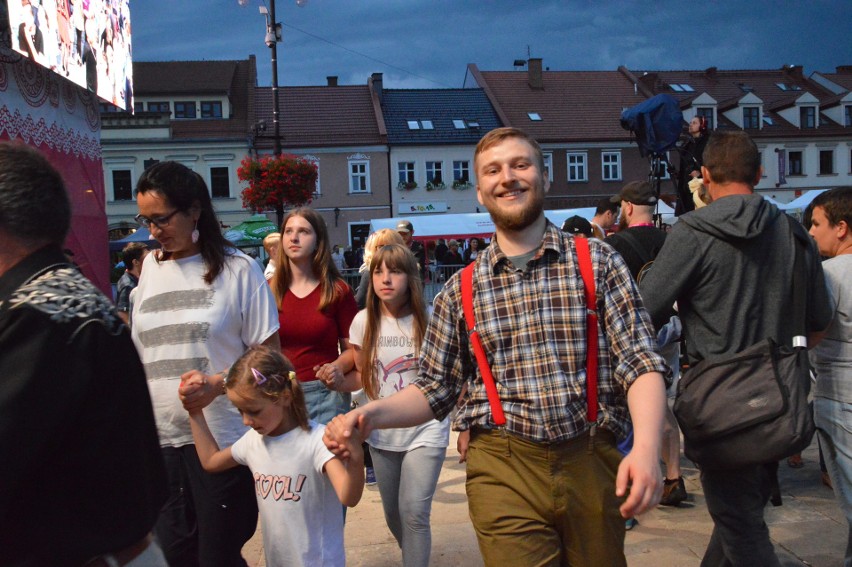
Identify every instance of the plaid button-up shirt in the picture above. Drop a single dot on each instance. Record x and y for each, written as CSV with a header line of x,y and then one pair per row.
x,y
532,323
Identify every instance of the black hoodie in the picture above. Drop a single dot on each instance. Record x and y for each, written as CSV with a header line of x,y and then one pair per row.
x,y
729,267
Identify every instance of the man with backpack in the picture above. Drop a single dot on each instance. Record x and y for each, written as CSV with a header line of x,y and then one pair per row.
x,y
639,241
729,266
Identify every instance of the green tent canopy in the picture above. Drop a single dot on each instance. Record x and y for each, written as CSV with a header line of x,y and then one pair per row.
x,y
251,231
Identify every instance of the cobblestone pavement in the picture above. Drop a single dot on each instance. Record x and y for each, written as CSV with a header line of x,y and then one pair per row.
x,y
809,529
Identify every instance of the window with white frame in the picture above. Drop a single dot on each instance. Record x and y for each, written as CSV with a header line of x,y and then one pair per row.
x,y
122,185
434,172
848,115
807,117
611,166
577,166
359,175
185,109
826,162
548,164
405,171
461,171
314,160
795,163
211,109
220,182
706,113
751,117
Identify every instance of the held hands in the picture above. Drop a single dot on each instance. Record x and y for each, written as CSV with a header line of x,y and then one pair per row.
x,y
330,375
197,390
641,470
345,431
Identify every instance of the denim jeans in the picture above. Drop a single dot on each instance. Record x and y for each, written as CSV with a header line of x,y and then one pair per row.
x,y
208,517
324,404
834,427
407,481
736,499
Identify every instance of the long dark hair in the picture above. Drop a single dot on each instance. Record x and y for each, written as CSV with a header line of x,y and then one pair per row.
x,y
322,265
184,189
396,257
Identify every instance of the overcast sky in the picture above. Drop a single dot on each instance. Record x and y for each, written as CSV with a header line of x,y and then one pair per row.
x,y
428,43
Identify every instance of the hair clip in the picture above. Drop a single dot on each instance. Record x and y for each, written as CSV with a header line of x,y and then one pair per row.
x,y
258,377
292,376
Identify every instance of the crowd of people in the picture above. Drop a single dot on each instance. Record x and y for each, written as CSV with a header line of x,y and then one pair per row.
x,y
212,394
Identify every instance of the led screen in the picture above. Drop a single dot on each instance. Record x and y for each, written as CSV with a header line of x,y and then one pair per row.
x,y
86,41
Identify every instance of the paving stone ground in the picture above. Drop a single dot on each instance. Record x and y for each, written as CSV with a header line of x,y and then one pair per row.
x,y
809,529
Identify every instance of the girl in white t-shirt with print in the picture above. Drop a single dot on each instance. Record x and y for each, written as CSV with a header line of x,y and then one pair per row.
x,y
386,336
299,484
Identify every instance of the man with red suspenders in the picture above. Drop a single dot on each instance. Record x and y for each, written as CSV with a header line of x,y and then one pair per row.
x,y
546,484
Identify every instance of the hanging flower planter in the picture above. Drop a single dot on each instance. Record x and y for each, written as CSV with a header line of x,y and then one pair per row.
x,y
461,185
406,185
277,181
435,185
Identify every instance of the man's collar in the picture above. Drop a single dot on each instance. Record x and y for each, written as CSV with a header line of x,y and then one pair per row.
x,y
30,266
552,240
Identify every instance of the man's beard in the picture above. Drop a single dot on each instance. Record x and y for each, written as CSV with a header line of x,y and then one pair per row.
x,y
518,220
623,222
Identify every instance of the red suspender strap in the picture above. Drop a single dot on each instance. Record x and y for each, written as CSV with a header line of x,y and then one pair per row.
x,y
478,351
584,259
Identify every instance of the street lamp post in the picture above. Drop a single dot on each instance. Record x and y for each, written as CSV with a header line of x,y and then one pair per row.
x,y
273,36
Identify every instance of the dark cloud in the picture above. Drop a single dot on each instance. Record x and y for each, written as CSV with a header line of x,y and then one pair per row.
x,y
428,43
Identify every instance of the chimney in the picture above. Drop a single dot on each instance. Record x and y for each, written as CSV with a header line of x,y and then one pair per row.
x,y
376,81
332,80
710,73
844,69
794,71
535,79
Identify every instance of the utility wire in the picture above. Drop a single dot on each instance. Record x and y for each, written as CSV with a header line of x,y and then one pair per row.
x,y
379,61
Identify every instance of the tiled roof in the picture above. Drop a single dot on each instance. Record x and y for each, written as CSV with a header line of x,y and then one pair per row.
x,y
183,77
441,107
573,105
236,79
319,116
728,87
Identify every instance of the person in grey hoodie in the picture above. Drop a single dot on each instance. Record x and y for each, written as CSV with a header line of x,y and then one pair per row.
x,y
729,267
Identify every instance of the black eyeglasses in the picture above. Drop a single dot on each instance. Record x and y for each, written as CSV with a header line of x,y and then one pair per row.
x,y
159,222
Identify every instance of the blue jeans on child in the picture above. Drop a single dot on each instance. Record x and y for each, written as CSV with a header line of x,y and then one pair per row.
x,y
324,404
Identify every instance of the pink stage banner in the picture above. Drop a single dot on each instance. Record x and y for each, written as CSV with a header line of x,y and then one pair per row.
x,y
62,121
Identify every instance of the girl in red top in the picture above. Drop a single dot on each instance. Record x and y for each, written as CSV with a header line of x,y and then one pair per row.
x,y
316,308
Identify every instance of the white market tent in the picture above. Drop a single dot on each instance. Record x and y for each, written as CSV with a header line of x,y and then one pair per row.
x,y
800,203
467,225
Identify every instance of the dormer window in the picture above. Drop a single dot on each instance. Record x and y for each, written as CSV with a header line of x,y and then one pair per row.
x,y
185,109
848,115
751,117
706,113
745,88
807,117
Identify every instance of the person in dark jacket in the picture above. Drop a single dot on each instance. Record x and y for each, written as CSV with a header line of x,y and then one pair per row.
x,y
729,267
82,479
452,257
691,160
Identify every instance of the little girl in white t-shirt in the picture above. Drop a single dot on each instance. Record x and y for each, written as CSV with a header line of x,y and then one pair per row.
x,y
299,484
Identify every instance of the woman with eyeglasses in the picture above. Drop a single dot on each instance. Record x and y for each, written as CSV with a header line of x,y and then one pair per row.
x,y
319,306
199,305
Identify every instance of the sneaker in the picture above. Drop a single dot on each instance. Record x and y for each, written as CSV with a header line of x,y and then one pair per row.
x,y
371,476
630,524
674,492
